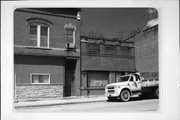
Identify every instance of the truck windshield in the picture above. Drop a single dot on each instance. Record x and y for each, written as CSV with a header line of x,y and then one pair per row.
x,y
123,79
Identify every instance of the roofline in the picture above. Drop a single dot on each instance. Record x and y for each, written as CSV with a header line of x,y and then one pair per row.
x,y
30,10
140,32
106,39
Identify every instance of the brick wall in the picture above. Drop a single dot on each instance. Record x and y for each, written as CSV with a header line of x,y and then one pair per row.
x,y
146,50
57,31
26,92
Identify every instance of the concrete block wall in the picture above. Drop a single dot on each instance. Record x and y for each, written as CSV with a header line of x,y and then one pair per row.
x,y
28,92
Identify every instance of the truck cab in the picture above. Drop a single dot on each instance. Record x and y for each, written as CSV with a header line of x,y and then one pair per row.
x,y
125,87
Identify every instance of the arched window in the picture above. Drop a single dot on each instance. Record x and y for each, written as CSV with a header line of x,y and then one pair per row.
x,y
38,32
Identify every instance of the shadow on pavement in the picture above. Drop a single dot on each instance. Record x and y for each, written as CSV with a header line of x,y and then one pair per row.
x,y
133,99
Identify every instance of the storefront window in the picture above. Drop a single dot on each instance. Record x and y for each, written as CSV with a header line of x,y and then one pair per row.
x,y
96,79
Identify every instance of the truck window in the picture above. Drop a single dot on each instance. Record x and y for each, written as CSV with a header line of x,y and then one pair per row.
x,y
137,77
131,79
123,79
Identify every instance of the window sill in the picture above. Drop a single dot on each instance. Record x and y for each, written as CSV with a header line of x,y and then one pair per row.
x,y
40,83
43,48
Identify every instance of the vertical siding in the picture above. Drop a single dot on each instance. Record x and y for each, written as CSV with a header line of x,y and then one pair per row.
x,y
23,68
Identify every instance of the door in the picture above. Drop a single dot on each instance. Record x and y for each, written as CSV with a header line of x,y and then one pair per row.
x,y
70,67
69,82
134,84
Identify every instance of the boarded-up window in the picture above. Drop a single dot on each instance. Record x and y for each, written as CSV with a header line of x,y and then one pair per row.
x,y
97,79
109,49
69,35
92,48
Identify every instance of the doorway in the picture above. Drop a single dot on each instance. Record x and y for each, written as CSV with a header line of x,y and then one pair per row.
x,y
70,67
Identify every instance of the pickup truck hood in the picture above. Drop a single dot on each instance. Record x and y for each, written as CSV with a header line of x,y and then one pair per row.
x,y
117,84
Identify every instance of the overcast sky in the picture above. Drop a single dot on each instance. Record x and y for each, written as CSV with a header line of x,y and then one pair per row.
x,y
111,21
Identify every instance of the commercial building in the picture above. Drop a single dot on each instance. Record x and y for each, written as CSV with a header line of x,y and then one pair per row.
x,y
103,61
46,53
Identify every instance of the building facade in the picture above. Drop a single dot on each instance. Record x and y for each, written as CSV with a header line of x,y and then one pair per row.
x,y
146,52
46,53
103,61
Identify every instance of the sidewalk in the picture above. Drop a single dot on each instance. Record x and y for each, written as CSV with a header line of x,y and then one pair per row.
x,y
63,101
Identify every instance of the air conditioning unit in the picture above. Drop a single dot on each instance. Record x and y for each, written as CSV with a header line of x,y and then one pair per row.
x,y
70,45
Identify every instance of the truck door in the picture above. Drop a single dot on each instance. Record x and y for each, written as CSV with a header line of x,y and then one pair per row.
x,y
134,84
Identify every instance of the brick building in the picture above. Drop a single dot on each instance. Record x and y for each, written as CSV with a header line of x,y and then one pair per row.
x,y
46,53
103,61
146,52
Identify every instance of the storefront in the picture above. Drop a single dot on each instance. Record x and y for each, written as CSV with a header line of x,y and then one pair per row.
x,y
102,62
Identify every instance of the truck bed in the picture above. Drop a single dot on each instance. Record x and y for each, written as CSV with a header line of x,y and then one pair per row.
x,y
150,83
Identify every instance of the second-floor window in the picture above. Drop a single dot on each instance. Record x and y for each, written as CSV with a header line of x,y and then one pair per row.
x,y
70,35
39,35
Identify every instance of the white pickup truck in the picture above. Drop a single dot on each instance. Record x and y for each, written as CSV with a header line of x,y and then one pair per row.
x,y
132,85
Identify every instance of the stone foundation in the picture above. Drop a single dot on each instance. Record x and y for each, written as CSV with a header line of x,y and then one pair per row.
x,y
32,92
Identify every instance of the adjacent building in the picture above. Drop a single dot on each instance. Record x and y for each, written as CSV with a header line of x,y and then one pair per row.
x,y
146,52
46,53
103,61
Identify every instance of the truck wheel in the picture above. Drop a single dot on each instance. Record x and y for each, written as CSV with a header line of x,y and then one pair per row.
x,y
125,95
156,93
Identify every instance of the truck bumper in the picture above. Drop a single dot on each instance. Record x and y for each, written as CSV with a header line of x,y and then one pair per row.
x,y
107,94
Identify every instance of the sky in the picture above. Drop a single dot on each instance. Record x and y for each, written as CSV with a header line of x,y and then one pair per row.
x,y
113,21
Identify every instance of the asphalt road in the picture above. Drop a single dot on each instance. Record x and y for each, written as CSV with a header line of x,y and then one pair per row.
x,y
103,106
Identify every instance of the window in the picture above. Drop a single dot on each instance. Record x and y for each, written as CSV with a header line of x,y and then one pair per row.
x,y
97,79
39,36
131,79
123,79
39,32
40,78
70,36
109,49
92,48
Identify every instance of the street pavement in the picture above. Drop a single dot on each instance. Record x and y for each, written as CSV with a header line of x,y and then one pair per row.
x,y
134,105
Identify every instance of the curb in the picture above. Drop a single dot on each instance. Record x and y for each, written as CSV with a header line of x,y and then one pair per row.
x,y
58,103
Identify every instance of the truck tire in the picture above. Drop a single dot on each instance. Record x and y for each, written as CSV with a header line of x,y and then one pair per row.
x,y
125,95
156,93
